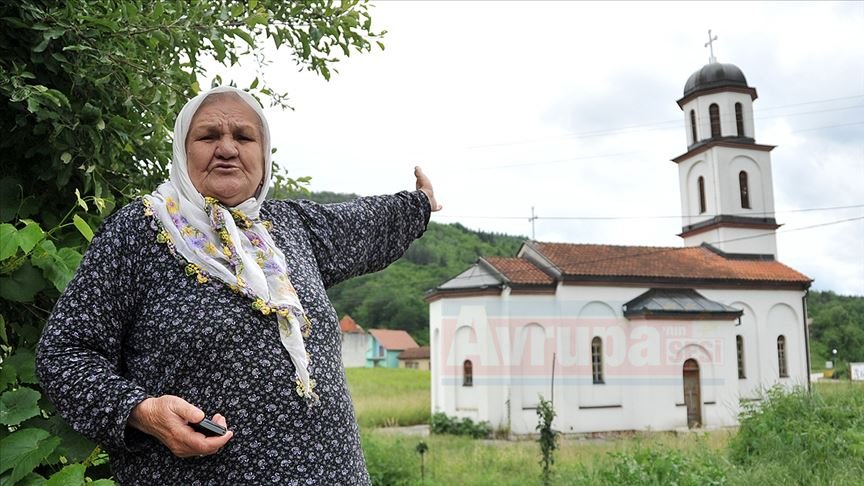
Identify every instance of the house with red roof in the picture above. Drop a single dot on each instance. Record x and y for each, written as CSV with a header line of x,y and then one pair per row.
x,y
355,343
624,338
385,347
415,358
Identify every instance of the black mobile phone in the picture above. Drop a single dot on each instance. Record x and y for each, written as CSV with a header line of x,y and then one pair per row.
x,y
208,428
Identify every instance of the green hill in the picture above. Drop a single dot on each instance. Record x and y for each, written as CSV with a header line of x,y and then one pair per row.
x,y
393,297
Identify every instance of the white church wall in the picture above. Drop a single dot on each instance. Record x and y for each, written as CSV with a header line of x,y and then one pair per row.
x,y
774,312
749,387
511,340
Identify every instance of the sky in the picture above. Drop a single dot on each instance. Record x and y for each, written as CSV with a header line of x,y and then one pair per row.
x,y
569,108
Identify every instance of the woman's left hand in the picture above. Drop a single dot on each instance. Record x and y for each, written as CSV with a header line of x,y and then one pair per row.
x,y
425,185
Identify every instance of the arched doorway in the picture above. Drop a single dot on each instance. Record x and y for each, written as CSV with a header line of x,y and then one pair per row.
x,y
692,393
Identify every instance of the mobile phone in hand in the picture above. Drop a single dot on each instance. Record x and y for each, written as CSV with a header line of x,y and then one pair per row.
x,y
208,428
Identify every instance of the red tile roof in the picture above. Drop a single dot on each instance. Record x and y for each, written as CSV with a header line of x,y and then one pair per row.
x,y
696,262
519,271
415,353
393,339
348,325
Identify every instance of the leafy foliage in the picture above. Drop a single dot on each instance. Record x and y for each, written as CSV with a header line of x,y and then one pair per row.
x,y
809,435
548,439
838,323
442,424
89,90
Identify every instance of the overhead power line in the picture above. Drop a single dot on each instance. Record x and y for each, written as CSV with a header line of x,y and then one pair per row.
x,y
632,217
658,125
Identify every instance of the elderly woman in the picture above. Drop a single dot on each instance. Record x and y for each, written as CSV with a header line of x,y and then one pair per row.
x,y
202,299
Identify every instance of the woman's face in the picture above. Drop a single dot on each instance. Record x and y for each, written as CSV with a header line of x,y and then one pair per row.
x,y
224,150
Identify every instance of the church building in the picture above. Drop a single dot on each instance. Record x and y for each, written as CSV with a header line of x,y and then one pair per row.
x,y
626,338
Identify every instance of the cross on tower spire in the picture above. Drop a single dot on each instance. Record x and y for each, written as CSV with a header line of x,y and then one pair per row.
x,y
710,45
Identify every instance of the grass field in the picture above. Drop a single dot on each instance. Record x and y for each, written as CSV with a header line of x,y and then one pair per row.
x,y
816,439
387,397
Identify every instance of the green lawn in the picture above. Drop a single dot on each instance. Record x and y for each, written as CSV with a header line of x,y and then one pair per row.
x,y
387,397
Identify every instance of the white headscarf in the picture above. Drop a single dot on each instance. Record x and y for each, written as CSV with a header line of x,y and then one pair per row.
x,y
232,245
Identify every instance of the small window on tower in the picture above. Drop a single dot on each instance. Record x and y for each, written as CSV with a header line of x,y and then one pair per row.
x,y
597,361
739,345
739,119
744,189
701,195
467,373
781,357
714,113
693,126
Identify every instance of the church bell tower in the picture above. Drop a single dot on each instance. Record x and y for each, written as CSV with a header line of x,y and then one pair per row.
x,y
727,197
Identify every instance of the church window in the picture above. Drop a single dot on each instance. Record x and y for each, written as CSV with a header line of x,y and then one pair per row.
x,y
739,345
597,360
701,183
693,125
714,114
781,357
744,189
467,373
739,119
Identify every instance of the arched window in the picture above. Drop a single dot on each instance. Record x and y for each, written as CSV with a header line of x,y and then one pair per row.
x,y
467,373
693,125
739,119
781,357
597,360
744,189
739,346
701,183
714,113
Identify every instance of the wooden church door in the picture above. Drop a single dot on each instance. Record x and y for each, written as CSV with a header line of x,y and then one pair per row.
x,y
692,394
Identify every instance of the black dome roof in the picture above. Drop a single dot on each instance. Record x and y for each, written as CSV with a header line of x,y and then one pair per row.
x,y
714,75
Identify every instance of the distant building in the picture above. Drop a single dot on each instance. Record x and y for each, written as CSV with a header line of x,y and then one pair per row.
x,y
415,358
355,343
637,337
385,346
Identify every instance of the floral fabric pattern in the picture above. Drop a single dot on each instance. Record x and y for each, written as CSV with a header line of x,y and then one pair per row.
x,y
136,321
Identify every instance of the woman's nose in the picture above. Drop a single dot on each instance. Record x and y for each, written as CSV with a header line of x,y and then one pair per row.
x,y
226,148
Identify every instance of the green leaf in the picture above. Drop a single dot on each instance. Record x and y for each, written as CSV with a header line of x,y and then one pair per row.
x,y
73,446
66,157
32,479
18,405
80,201
29,235
3,334
23,450
83,227
73,474
7,375
25,362
23,284
8,241
103,482
57,266
245,36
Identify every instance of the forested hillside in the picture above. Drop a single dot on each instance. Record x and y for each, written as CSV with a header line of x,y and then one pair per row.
x,y
838,323
393,297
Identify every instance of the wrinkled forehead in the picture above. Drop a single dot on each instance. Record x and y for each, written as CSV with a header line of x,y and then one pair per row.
x,y
226,99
